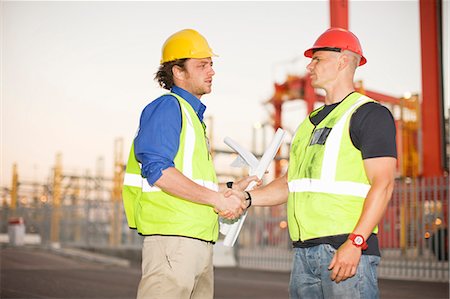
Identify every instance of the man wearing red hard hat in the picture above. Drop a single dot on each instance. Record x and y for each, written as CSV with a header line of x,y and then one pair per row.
x,y
340,179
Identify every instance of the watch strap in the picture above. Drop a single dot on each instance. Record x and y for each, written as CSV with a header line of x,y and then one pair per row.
x,y
249,199
356,240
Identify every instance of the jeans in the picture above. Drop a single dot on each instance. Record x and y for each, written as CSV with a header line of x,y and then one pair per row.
x,y
310,277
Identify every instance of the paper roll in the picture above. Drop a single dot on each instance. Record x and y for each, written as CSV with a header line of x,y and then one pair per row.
x,y
231,229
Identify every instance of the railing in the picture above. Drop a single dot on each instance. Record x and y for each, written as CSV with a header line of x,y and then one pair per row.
x,y
413,234
414,231
85,225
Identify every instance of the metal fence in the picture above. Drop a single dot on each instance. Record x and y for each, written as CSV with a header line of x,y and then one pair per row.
x,y
413,234
86,225
414,231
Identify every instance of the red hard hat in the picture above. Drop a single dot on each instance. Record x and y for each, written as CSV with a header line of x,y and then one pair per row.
x,y
338,38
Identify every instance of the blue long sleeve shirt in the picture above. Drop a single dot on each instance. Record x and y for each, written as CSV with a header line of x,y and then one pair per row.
x,y
158,137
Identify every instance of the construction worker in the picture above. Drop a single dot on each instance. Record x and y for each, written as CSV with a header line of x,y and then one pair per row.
x,y
171,194
340,179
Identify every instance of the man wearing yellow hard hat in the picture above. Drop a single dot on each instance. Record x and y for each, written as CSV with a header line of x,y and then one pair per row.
x,y
171,194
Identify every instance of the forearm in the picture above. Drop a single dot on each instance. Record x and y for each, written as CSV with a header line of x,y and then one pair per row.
x,y
222,187
373,209
174,182
346,259
382,185
272,194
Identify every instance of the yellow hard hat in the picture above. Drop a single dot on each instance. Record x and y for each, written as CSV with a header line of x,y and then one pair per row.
x,y
186,43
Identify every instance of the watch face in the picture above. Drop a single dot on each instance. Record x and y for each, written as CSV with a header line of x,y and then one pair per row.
x,y
359,240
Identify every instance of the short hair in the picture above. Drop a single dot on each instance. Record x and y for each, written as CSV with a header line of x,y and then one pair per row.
x,y
355,58
164,75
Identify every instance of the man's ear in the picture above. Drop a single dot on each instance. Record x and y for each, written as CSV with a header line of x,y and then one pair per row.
x,y
343,61
178,72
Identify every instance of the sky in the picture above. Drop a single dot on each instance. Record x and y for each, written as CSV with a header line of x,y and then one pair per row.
x,y
75,76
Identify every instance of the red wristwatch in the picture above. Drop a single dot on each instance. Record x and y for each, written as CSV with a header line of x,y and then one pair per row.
x,y
358,241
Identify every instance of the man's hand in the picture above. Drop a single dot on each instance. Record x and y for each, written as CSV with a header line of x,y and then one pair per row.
x,y
242,183
242,195
230,205
345,262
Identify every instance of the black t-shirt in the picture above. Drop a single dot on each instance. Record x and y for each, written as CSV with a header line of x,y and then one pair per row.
x,y
372,131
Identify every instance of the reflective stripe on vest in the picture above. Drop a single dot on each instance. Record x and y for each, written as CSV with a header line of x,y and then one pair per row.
x,y
339,188
135,180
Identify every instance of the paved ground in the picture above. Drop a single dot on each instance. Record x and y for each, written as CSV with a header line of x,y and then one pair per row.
x,y
35,273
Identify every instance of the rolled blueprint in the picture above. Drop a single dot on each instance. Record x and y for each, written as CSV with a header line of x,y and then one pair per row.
x,y
232,228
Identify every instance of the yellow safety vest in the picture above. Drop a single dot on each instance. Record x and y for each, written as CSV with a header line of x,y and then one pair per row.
x,y
326,176
152,211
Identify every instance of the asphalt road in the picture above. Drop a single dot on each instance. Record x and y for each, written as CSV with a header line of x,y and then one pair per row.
x,y
36,273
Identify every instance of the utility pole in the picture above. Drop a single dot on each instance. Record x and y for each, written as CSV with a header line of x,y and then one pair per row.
x,y
56,202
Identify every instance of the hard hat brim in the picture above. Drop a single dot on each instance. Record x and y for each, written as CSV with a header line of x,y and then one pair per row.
x,y
309,53
195,56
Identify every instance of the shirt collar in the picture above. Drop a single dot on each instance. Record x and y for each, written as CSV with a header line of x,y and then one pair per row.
x,y
196,104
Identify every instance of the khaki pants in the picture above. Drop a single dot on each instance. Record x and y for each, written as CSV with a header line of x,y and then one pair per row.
x,y
176,268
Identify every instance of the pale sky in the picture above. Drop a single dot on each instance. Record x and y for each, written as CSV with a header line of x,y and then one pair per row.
x,y
76,75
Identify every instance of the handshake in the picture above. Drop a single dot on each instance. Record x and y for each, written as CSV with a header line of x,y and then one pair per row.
x,y
232,203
